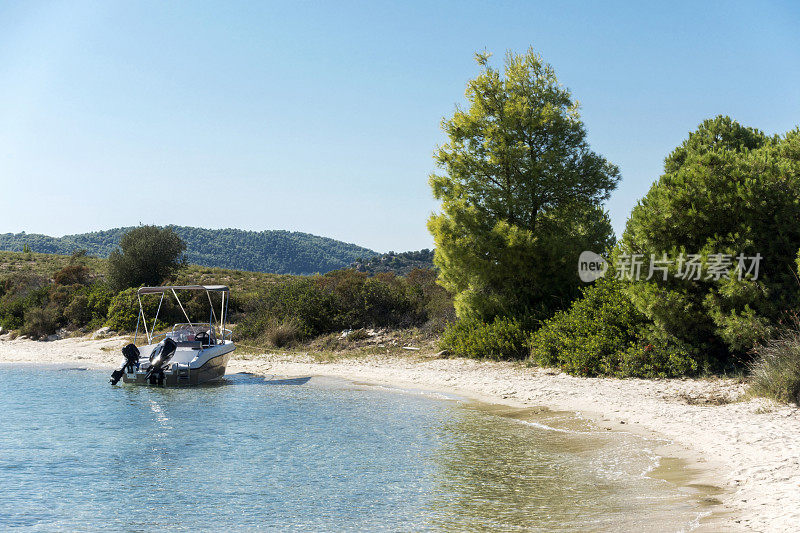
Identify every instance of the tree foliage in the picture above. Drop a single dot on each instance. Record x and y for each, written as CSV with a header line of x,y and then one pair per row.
x,y
727,189
521,193
401,263
148,255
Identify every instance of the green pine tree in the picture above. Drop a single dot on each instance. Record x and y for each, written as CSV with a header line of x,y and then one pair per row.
x,y
521,193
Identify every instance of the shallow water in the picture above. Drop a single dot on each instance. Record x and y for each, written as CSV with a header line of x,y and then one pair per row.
x,y
77,454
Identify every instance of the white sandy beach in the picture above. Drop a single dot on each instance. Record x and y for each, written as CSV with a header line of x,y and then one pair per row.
x,y
748,447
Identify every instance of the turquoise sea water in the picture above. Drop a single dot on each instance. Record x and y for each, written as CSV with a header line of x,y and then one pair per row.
x,y
77,454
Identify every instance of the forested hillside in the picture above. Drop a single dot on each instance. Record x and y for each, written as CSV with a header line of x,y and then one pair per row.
x,y
276,251
400,263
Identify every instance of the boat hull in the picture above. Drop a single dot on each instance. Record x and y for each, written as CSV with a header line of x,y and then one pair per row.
x,y
210,368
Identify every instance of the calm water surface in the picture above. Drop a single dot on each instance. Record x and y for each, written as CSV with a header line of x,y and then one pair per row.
x,y
77,454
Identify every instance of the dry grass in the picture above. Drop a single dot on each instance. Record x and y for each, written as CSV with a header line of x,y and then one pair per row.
x,y
282,334
775,373
46,265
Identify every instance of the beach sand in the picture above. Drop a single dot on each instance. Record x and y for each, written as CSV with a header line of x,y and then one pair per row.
x,y
749,448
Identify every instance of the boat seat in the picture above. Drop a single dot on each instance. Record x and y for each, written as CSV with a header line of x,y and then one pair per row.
x,y
189,344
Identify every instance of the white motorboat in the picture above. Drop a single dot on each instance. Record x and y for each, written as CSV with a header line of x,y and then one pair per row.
x,y
191,353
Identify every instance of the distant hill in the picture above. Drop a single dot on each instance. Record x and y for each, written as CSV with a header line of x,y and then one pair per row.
x,y
276,251
400,263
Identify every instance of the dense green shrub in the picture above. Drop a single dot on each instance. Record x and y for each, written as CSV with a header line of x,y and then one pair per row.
x,y
603,333
40,322
99,300
343,299
298,299
77,313
504,338
123,311
86,306
657,360
775,371
12,314
21,292
386,303
727,189
429,300
589,337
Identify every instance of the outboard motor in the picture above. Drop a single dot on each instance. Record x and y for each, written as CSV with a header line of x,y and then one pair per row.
x,y
131,353
159,358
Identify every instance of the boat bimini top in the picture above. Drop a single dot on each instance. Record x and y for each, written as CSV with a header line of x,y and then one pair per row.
x,y
214,322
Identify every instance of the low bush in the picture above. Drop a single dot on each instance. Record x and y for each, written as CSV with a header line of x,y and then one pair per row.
x,y
297,299
659,360
603,333
78,313
589,338
775,370
99,300
430,300
504,338
123,311
40,322
19,293
344,299
73,275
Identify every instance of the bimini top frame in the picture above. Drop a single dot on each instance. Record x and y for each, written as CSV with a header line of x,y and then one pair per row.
x,y
213,321
168,288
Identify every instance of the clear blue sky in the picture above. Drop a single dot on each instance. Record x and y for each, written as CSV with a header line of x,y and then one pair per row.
x,y
322,117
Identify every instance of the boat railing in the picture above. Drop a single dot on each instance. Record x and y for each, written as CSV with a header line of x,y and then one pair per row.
x,y
158,336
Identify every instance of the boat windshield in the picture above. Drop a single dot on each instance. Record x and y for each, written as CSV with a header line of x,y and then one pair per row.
x,y
192,333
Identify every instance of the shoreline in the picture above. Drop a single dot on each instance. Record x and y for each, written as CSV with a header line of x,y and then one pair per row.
x,y
746,447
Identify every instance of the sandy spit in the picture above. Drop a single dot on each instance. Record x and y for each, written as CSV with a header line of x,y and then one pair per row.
x,y
749,447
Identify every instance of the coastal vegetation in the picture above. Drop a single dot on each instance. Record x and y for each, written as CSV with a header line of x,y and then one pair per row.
x,y
278,252
521,195
604,334
73,293
44,294
302,308
728,191
705,278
